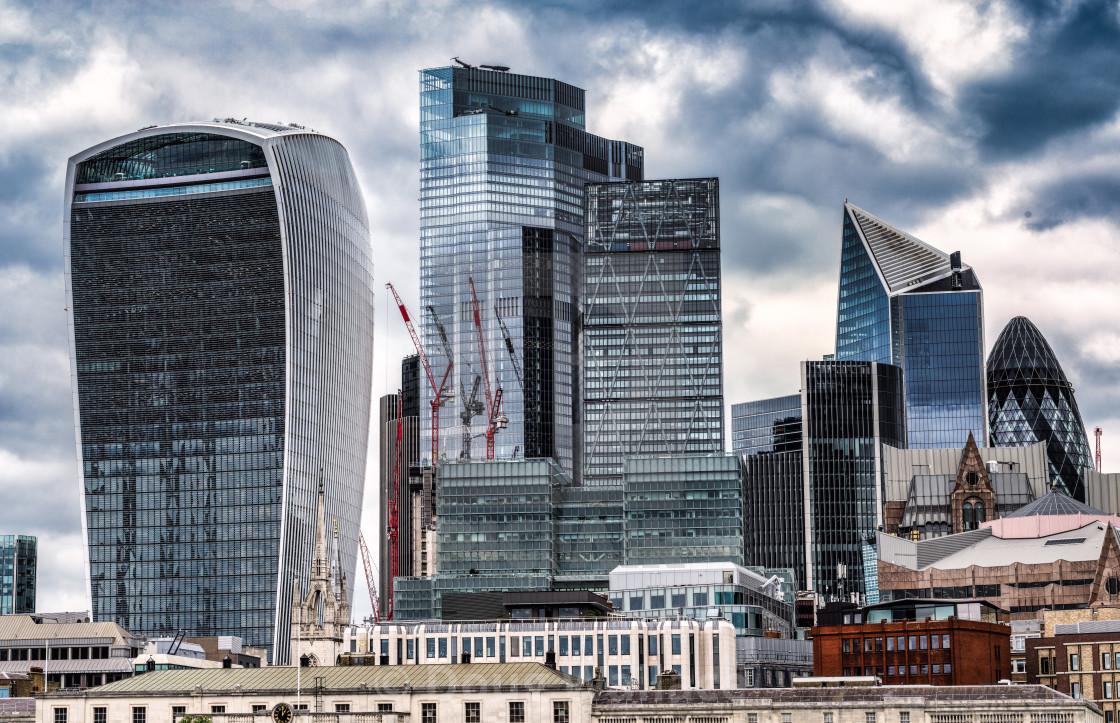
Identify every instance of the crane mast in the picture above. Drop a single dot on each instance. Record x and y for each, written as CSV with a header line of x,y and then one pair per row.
x,y
371,579
494,414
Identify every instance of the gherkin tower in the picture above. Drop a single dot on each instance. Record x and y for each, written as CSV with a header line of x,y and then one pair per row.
x,y
1030,400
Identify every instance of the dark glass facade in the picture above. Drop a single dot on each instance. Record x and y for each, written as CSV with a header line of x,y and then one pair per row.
x,y
221,344
851,410
19,557
766,425
652,336
1031,401
503,163
905,303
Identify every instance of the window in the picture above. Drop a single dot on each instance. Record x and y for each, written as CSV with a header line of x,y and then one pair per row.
x,y
430,645
1108,717
868,645
217,709
515,646
787,717
890,645
101,715
1106,661
904,716
678,600
575,645
477,648
139,715
563,645
845,646
260,707
60,715
913,642
527,646
699,599
947,668
869,717
1074,664
945,641
937,668
828,718
410,647
472,712
890,668
752,717
1108,690
517,711
625,644
428,713
384,707
539,641
443,647
878,645
612,645
1075,689
1019,666
935,641
626,676
676,644
1044,666
561,712
341,707
657,602
612,676
653,644
922,643
914,669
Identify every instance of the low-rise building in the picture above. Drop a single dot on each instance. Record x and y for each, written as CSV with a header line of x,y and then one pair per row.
x,y
1078,654
919,642
628,653
71,655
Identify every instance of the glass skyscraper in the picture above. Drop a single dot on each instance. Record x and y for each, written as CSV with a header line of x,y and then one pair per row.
x,y
850,410
219,278
19,556
906,303
503,163
766,425
652,337
1032,401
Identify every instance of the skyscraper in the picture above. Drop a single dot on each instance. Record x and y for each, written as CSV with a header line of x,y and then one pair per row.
x,y
220,299
906,303
1031,400
19,556
652,336
850,410
504,161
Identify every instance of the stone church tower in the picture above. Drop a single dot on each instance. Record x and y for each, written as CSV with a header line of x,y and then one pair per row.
x,y
973,501
320,621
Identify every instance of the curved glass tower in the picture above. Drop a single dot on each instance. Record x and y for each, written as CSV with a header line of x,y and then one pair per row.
x,y
1030,400
220,291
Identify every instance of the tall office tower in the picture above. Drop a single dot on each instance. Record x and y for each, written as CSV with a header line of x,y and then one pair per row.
x,y
906,303
1030,401
767,435
405,407
850,410
19,556
504,160
652,337
220,296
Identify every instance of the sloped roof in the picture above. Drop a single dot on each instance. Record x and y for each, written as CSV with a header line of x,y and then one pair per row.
x,y
930,496
903,261
24,627
274,678
1083,544
1056,502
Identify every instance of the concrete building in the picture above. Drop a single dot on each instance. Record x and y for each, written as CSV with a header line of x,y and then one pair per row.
x,y
923,642
70,654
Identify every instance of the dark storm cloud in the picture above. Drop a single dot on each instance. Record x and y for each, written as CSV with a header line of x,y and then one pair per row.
x,y
1063,80
1074,198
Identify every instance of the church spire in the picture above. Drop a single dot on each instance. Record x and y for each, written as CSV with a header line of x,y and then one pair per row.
x,y
320,564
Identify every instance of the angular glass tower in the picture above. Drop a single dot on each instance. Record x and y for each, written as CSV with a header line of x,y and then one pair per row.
x,y
219,281
503,163
906,303
652,337
18,563
1030,401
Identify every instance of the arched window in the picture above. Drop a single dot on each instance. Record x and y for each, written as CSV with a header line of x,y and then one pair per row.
x,y
968,516
978,508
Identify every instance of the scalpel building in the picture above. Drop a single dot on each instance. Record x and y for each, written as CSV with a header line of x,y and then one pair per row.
x,y
219,278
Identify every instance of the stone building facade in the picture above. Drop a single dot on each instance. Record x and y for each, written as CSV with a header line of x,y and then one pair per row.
x,y
320,620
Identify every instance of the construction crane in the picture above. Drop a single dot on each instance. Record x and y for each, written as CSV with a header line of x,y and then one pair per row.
x,y
1097,433
496,420
394,508
471,409
441,393
442,332
371,579
510,350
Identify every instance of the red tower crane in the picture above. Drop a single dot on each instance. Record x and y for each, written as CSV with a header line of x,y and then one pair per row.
x,y
371,579
442,393
1098,432
497,420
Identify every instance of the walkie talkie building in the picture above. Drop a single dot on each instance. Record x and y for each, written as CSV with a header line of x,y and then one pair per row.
x,y
221,304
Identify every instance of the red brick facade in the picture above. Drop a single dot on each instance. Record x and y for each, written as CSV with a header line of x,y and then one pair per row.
x,y
935,652
1087,660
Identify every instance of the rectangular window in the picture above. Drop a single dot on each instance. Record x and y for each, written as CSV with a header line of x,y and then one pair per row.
x,y
787,717
945,641
430,644
1075,690
904,716
217,709
653,644
1044,666
914,669
60,715
752,717
913,642
612,677
100,715
676,644
588,672
922,642
868,645
428,713
657,602
625,644
947,668
472,712
410,648
845,646
561,712
890,668
341,707
563,645
443,647
1073,662
677,600
878,645
625,671
1108,690
515,646
1106,660
935,641
637,602
900,644
139,715
1108,716
869,717
539,641
259,707
588,645
699,599
384,707
937,668
653,675
890,645
517,711
575,645
527,646
828,718
612,645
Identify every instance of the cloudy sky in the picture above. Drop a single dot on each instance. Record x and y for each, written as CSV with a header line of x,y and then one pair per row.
x,y
985,127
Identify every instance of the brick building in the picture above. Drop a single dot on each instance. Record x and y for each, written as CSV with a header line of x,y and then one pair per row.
x,y
919,642
1079,655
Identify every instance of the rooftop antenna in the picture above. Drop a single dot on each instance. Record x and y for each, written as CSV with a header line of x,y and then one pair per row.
x,y
1097,433
462,63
